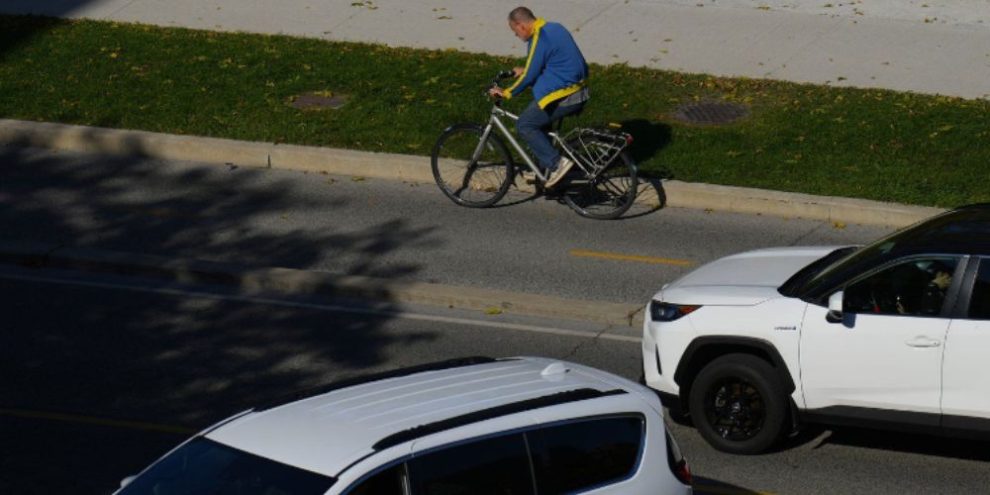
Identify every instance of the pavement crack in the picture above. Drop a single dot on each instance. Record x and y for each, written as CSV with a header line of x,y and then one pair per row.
x,y
46,258
597,15
593,340
110,16
631,317
807,234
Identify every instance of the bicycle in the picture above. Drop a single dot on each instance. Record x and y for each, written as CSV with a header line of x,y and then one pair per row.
x,y
473,167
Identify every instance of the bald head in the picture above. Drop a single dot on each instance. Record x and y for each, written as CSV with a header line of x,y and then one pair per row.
x,y
521,14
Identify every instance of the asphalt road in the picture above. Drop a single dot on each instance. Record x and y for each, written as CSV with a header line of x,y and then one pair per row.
x,y
379,228
101,375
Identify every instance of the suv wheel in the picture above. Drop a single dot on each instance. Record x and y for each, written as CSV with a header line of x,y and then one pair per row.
x,y
738,404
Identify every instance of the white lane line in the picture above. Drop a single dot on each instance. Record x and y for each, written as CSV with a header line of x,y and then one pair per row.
x,y
406,315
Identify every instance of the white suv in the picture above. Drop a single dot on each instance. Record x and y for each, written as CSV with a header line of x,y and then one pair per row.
x,y
467,426
895,334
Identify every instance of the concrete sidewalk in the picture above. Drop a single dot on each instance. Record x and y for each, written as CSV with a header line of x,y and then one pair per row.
x,y
927,46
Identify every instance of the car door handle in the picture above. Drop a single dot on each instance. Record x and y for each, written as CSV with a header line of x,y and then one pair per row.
x,y
923,342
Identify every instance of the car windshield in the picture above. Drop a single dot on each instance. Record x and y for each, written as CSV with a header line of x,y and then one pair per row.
x,y
794,285
954,228
203,467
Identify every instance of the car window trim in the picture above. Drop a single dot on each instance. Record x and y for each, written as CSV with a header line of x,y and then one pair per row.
x,y
406,489
948,306
955,292
523,430
965,297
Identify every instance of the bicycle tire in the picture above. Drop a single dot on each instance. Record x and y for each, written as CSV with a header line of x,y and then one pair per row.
x,y
607,196
467,187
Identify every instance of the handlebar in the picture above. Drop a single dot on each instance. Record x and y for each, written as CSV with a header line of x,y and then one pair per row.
x,y
501,75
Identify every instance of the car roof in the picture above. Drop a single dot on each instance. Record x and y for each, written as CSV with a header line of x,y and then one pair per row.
x,y
964,230
328,432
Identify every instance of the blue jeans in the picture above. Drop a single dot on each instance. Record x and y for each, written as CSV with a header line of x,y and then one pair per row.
x,y
532,124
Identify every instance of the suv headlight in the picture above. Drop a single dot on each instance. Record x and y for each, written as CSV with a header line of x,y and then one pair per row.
x,y
661,311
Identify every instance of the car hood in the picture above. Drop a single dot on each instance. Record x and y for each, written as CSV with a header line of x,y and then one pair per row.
x,y
742,279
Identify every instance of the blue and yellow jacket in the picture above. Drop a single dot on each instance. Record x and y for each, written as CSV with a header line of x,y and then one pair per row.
x,y
555,66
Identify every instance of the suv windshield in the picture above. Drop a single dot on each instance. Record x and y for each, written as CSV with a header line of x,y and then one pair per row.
x,y
203,467
957,228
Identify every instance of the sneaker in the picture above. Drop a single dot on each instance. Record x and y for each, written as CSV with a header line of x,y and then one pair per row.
x,y
563,166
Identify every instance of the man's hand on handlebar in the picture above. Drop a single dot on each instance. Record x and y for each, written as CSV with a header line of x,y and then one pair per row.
x,y
495,91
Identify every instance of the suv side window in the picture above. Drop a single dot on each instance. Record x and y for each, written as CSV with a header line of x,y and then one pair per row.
x,y
494,466
912,288
387,482
979,299
587,454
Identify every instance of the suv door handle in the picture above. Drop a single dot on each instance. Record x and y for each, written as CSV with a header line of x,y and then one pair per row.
x,y
923,342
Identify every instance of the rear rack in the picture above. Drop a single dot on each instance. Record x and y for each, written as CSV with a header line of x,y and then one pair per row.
x,y
420,431
596,148
374,377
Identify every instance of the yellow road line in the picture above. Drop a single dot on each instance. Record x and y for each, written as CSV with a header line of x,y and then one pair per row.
x,y
90,420
584,253
719,490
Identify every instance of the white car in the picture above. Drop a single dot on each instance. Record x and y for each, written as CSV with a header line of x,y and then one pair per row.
x,y
892,335
473,426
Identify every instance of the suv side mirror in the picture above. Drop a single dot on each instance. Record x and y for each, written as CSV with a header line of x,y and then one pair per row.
x,y
835,307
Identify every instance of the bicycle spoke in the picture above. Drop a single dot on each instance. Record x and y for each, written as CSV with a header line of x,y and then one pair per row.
x,y
471,182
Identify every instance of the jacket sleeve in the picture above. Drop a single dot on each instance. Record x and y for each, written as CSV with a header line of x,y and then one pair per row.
x,y
534,67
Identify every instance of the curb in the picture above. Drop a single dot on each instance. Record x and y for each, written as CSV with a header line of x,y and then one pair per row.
x,y
416,169
304,282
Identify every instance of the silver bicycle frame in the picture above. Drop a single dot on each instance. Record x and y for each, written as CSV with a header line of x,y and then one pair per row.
x,y
494,122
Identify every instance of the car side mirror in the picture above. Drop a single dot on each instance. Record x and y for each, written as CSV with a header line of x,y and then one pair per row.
x,y
835,313
127,481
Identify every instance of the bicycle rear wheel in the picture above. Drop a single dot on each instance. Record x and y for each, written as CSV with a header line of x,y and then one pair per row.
x,y
475,183
608,195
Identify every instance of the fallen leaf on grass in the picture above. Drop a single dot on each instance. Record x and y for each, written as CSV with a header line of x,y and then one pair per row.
x,y
492,310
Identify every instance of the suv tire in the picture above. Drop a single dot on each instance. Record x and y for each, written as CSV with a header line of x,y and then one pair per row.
x,y
738,404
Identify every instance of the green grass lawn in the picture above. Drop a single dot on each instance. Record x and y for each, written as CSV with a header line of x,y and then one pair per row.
x,y
872,144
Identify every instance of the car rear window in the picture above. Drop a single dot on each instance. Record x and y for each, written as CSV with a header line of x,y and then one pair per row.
x,y
574,457
494,466
205,467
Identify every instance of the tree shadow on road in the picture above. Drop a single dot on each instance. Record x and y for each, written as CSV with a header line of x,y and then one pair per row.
x,y
168,358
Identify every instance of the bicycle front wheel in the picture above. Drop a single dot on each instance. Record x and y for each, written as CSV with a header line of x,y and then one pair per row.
x,y
470,172
608,195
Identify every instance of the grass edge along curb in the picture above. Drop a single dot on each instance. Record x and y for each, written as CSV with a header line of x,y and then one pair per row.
x,y
417,169
876,144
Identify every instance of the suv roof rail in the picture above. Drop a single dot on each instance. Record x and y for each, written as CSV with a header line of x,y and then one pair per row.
x,y
491,413
374,377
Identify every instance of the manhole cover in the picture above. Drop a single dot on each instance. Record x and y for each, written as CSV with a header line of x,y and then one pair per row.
x,y
711,112
318,101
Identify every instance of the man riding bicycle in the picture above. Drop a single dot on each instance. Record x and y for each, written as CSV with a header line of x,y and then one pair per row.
x,y
557,71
